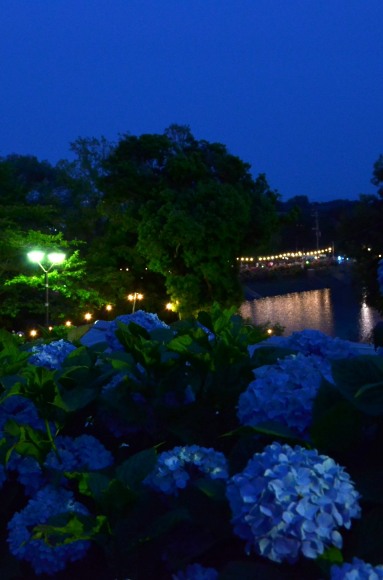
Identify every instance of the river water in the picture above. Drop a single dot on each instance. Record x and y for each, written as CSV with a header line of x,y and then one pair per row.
x,y
338,314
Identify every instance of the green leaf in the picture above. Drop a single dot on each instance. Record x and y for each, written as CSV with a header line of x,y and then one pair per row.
x,y
75,399
269,355
181,344
136,468
212,488
360,380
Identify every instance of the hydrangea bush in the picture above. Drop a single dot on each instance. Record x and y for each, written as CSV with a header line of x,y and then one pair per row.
x,y
192,451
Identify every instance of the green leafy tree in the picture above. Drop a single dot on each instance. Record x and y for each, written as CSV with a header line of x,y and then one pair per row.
x,y
188,208
71,292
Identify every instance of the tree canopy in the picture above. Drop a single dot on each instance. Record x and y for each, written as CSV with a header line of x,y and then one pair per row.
x,y
189,208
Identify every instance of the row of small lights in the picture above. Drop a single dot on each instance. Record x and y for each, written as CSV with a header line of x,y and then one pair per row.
x,y
287,255
88,315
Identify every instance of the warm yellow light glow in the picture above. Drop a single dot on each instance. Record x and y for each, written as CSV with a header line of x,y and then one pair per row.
x,y
135,296
286,255
33,333
108,307
88,316
68,323
170,306
269,331
50,327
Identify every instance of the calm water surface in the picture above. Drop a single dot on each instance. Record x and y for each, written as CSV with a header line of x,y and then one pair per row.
x,y
338,314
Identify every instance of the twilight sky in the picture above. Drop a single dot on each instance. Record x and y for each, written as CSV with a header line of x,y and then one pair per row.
x,y
293,87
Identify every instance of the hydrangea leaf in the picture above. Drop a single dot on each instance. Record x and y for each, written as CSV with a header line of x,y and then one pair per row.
x,y
253,570
134,470
351,377
75,399
213,489
269,355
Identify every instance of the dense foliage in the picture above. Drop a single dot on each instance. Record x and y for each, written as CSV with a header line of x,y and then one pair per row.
x,y
164,215
127,454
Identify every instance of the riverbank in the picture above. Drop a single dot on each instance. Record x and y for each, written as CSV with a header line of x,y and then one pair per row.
x,y
279,283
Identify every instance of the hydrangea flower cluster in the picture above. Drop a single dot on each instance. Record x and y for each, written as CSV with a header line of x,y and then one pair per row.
x,y
52,355
291,501
147,320
29,473
380,276
313,342
45,557
21,410
283,392
196,572
357,570
175,467
83,453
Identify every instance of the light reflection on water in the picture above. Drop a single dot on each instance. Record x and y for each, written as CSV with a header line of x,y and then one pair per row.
x,y
338,316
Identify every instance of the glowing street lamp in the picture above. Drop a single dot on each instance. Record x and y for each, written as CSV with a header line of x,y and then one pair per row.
x,y
55,258
133,297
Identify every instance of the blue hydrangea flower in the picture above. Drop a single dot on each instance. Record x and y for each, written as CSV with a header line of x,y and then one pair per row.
x,y
21,410
283,392
357,570
84,453
52,355
196,572
291,501
380,276
176,467
147,320
29,473
313,342
45,558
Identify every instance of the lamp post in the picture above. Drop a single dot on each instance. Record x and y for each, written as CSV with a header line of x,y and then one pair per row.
x,y
133,297
55,258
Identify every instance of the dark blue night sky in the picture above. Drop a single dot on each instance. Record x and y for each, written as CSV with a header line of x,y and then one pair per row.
x,y
293,87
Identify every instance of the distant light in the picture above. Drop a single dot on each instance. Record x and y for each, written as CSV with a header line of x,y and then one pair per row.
x,y
269,331
88,316
33,333
108,307
68,323
50,328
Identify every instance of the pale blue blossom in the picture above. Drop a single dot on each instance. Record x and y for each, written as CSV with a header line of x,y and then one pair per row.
x,y
283,392
291,501
357,570
176,467
144,319
312,342
44,557
52,355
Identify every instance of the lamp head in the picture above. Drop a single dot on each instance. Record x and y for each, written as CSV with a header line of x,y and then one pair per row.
x,y
36,256
56,257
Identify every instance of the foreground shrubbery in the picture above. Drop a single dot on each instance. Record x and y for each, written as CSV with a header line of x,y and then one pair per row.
x,y
194,451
